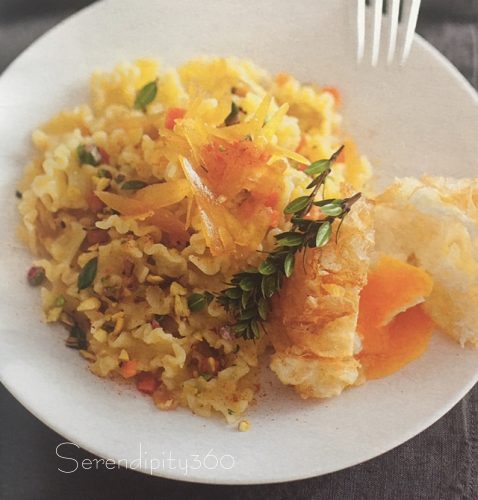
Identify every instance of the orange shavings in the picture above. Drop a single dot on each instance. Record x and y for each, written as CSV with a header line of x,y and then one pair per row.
x,y
122,204
223,229
217,237
163,194
149,204
229,164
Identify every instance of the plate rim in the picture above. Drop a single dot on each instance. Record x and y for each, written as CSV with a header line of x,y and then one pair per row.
x,y
433,417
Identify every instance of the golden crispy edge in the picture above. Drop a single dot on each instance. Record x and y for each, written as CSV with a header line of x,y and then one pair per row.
x,y
313,329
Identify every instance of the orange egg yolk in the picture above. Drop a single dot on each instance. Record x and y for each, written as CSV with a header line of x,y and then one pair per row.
x,y
394,327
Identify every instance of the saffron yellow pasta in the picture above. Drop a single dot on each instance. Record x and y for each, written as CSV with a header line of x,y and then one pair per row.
x,y
117,221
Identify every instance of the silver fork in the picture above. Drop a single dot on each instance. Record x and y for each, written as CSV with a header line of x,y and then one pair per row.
x,y
399,16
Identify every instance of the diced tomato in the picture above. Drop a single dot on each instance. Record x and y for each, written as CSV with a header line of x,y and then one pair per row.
x,y
146,382
301,167
335,92
282,78
129,368
173,114
94,236
105,157
155,323
94,203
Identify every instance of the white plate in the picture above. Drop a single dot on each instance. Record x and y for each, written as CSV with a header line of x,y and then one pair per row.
x,y
422,118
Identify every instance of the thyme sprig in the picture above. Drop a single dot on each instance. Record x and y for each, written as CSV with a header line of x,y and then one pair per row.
x,y
248,294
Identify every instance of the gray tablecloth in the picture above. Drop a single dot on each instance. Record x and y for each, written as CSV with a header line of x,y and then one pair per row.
x,y
440,463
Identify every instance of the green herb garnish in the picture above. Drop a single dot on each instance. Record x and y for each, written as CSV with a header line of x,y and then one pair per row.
x,y
77,338
89,154
60,301
133,185
198,301
207,376
248,295
87,274
146,95
104,174
18,195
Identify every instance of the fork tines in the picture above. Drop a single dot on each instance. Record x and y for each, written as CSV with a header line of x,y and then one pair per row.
x,y
390,22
